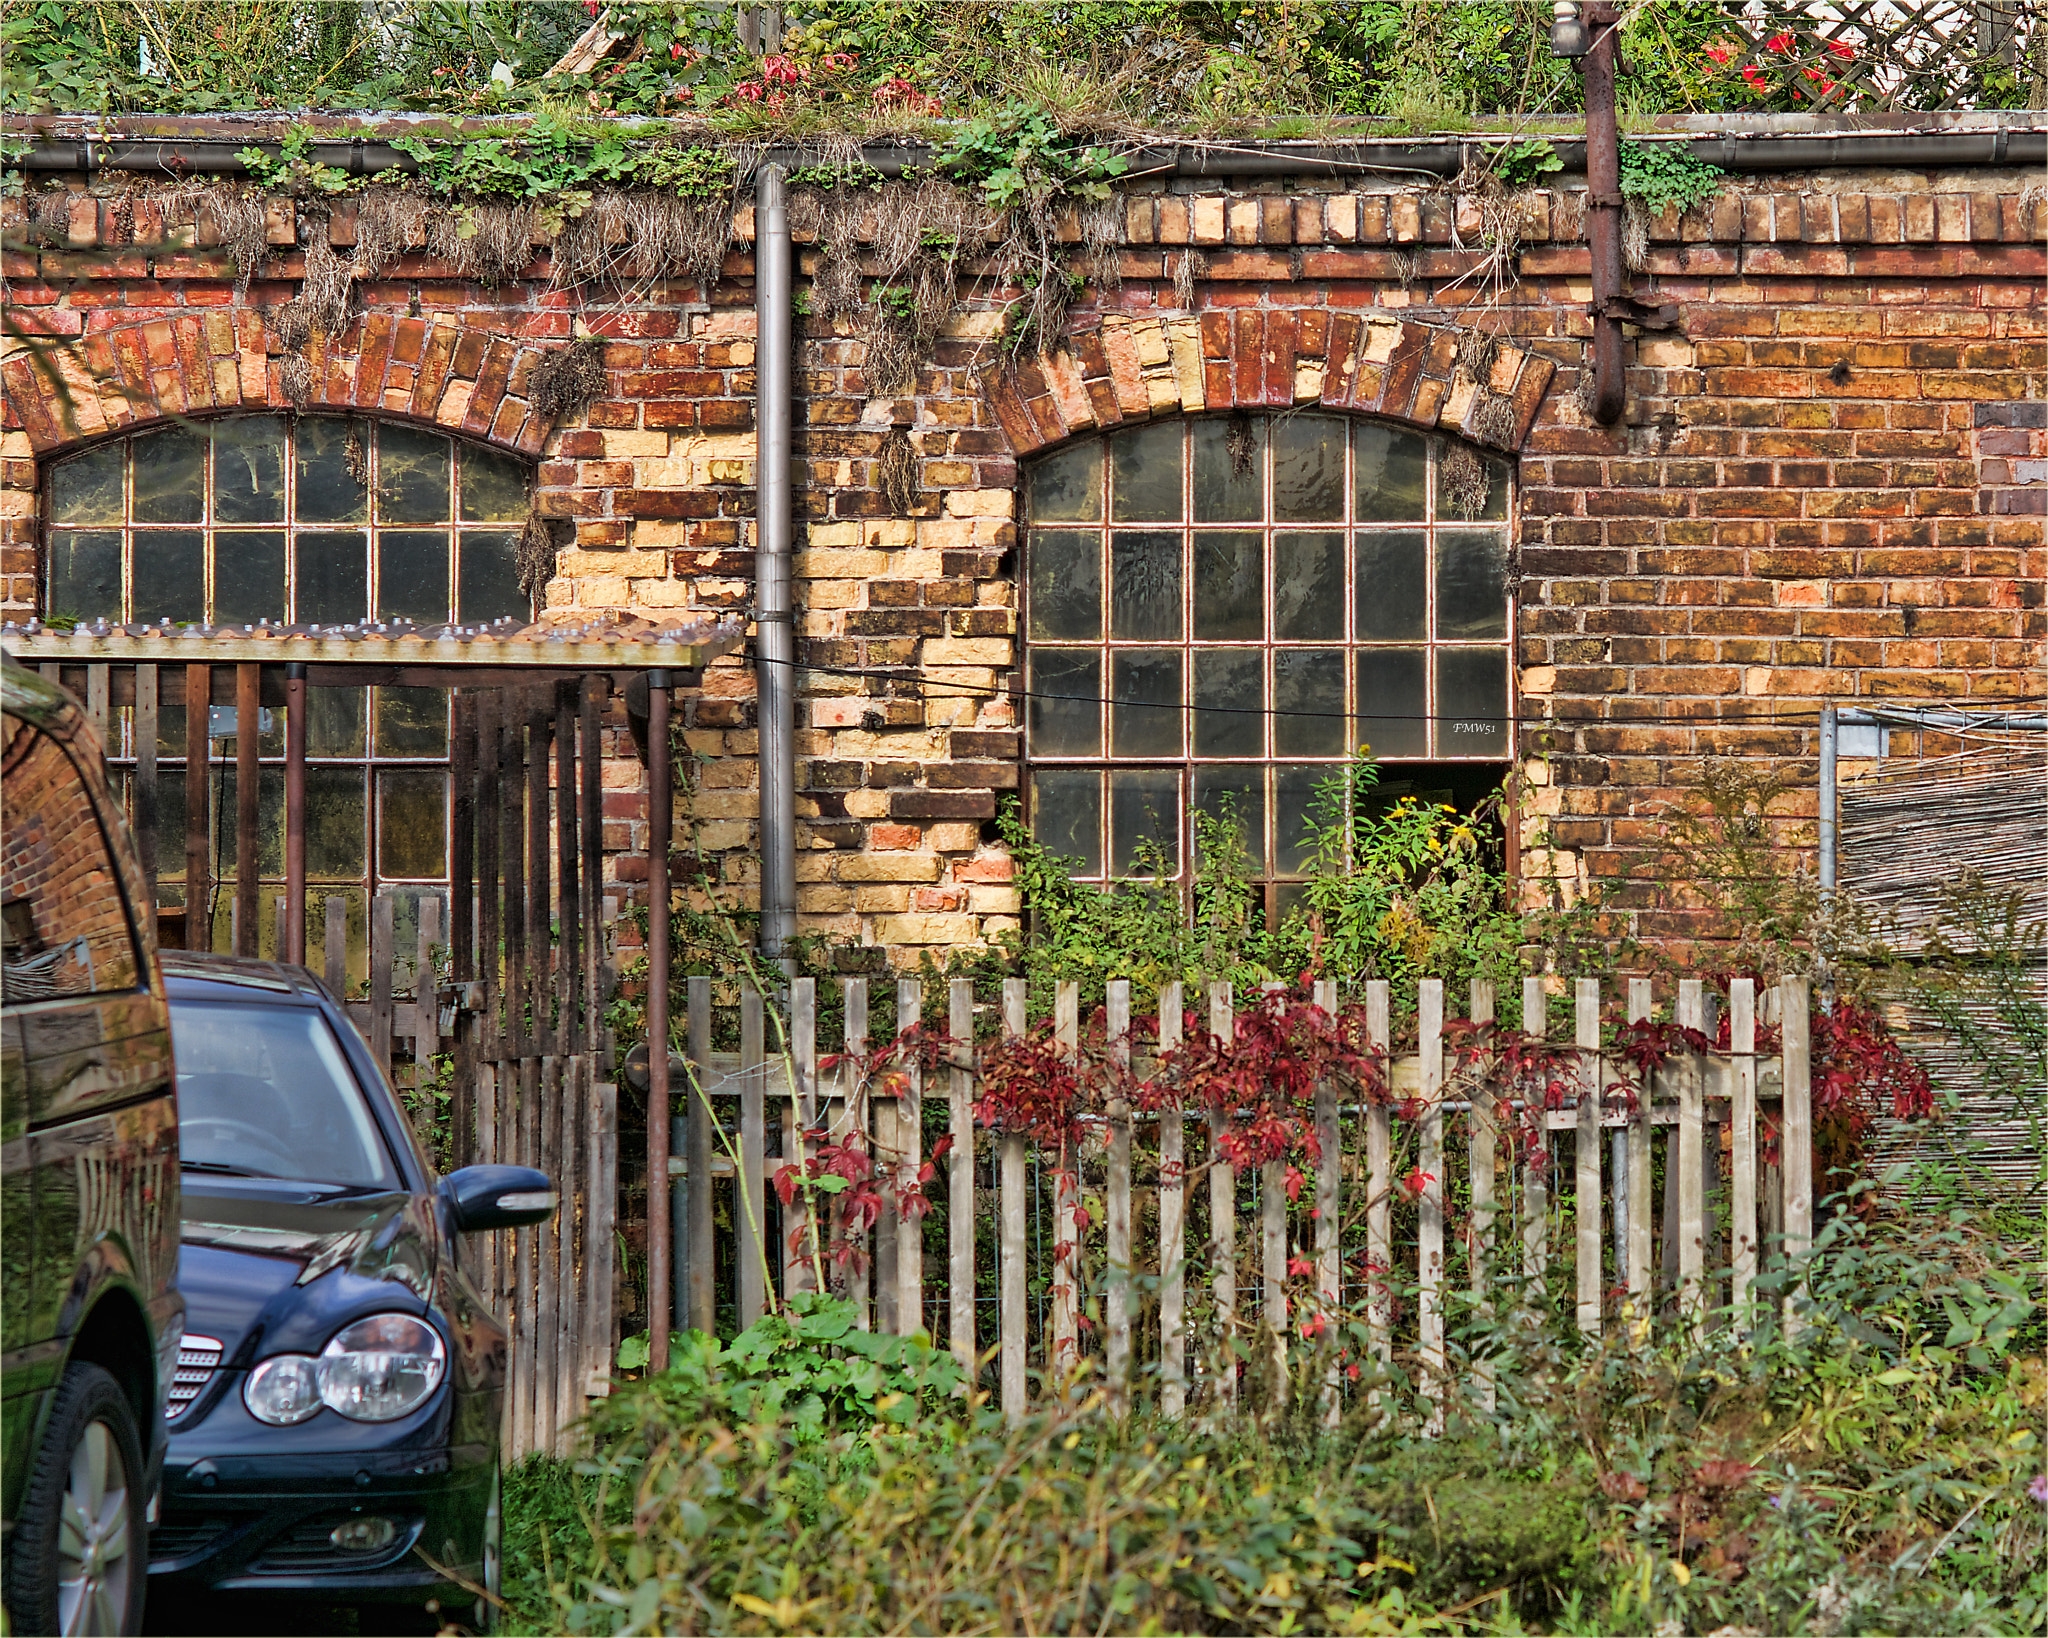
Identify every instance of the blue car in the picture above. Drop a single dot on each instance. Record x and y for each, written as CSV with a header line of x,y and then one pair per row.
x,y
334,1420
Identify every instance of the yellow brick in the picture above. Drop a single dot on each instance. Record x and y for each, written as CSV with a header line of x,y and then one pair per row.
x,y
665,594
608,591
925,930
888,867
1380,342
1308,380
658,534
976,326
967,651
883,900
1539,679
726,833
634,446
981,503
835,534
573,560
1208,222
1150,340
954,838
833,594
867,804
889,533
989,899
1184,336
838,564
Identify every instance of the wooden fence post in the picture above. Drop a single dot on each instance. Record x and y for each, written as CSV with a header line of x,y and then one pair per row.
x,y
751,1216
1742,1146
1692,1223
856,1125
1536,1173
1329,1172
909,1227
960,1176
1063,1351
804,1232
1379,1179
1483,1158
1430,1207
1116,1299
1633,1186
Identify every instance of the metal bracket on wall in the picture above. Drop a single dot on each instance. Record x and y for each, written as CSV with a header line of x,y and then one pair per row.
x,y
1644,315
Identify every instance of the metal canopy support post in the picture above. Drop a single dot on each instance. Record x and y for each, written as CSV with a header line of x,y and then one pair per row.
x,y
775,638
248,775
295,814
659,820
198,774
1603,211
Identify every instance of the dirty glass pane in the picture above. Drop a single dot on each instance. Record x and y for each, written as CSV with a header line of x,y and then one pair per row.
x,y
336,836
85,573
1308,469
1496,506
1308,586
1472,702
1144,585
333,572
1392,702
1068,487
1066,815
1066,711
248,575
493,486
1471,583
1144,808
88,489
1240,795
332,464
487,583
1145,691
170,741
411,721
1393,596
269,821
412,822
1391,469
334,722
1308,682
412,475
1145,474
1223,494
170,810
1294,795
170,477
1230,585
1230,699
248,470
168,575
1066,583
412,575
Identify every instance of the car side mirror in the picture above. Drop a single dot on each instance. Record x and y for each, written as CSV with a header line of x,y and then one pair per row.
x,y
498,1197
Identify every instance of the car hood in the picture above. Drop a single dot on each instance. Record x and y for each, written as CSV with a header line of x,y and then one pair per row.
x,y
280,1273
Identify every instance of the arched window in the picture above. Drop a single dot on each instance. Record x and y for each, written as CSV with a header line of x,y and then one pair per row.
x,y
320,520
1220,610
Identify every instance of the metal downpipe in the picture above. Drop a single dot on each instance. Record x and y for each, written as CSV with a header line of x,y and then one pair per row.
x,y
774,627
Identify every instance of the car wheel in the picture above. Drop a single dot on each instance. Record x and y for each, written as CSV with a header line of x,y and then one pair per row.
x,y
77,1561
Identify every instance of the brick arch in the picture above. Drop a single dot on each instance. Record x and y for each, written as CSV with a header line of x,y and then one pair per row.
x,y
458,377
1131,369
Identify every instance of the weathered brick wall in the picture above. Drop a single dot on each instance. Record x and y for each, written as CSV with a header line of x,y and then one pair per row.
x,y
1828,483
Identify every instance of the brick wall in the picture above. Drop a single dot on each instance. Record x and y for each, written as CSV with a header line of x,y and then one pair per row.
x,y
1828,483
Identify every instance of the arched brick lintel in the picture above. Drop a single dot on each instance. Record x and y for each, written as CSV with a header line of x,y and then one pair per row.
x,y
460,378
1132,369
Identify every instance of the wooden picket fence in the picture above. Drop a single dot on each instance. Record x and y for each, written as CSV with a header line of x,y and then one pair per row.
x,y
1724,1210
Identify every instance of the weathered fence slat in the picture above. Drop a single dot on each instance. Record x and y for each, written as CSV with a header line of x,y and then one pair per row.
x,y
1742,1146
1117,1208
1483,1161
1587,1205
382,911
198,787
802,1252
1796,1148
1535,1172
1011,1270
907,1227
1379,1179
1329,1174
1223,1213
749,1214
335,934
1062,1353
1173,1204
1632,1186
852,1121
700,1213
144,728
960,1174
1430,1204
1692,1224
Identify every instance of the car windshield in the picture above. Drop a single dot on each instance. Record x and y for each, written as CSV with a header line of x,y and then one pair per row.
x,y
264,1091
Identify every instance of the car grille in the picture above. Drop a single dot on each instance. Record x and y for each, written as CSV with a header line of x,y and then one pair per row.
x,y
182,1538
198,1359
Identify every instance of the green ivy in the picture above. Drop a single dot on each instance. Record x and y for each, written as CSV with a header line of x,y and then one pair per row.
x,y
1019,157
293,169
1522,164
1665,175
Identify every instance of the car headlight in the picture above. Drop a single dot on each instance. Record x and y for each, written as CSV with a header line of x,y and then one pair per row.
x,y
380,1368
283,1389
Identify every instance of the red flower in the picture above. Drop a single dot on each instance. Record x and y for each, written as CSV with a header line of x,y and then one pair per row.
x,y
1312,1327
675,50
1415,1182
1779,42
590,6
1842,49
1352,1372
1300,1267
1720,54
1755,79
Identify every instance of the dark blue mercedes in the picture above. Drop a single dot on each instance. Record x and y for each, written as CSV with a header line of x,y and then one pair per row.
x,y
334,1419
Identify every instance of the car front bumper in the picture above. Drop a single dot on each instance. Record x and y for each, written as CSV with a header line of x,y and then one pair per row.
x,y
248,1523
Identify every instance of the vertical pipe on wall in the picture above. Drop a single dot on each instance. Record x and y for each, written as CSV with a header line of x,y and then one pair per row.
x,y
658,826
1830,746
775,637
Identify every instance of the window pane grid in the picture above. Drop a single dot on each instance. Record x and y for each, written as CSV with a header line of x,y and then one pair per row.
x,y
1317,598
314,520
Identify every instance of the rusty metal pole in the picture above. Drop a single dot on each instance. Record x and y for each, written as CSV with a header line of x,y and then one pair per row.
x,y
248,777
294,813
1603,212
659,824
198,774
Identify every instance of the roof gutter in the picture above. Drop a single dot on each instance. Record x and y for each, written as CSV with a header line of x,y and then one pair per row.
x,y
177,157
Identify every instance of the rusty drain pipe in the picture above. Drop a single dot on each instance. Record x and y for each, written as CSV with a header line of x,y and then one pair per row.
x,y
775,635
1603,211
